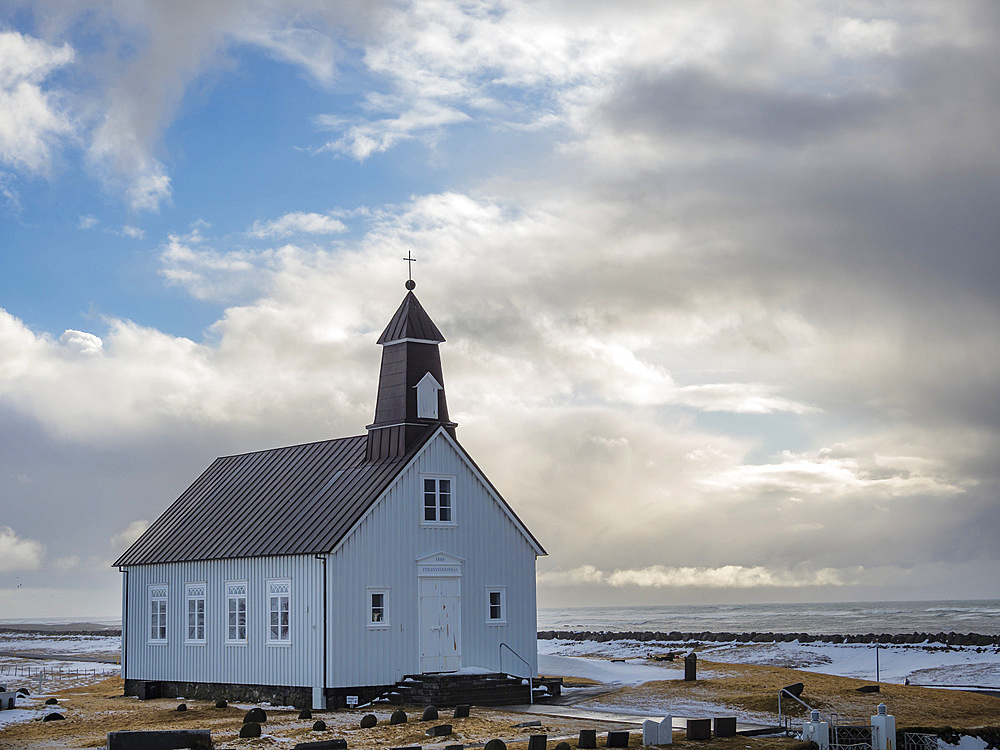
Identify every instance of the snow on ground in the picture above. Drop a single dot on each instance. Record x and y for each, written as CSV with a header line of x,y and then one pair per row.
x,y
922,664
631,672
63,644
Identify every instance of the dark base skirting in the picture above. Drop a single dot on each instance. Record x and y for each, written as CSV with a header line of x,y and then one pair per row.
x,y
276,695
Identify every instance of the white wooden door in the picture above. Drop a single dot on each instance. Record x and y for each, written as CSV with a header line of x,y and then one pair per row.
x,y
440,624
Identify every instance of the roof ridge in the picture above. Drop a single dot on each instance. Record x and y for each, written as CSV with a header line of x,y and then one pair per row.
x,y
294,445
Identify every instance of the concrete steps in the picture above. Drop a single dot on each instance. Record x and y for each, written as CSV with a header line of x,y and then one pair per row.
x,y
449,689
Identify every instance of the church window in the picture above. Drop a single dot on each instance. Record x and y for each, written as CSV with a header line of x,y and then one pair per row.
x,y
438,505
194,594
158,613
236,612
279,611
378,612
496,603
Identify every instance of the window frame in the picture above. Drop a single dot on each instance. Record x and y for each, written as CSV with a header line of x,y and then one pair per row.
x,y
232,596
192,596
437,494
153,596
372,592
502,592
273,595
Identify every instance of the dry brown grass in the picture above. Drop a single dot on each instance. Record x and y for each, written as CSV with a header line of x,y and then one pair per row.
x,y
754,688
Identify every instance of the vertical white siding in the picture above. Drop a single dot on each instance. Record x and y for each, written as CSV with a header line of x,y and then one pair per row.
x,y
382,552
298,664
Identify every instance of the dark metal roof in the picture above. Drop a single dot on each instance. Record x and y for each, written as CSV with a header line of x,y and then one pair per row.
x,y
285,501
410,322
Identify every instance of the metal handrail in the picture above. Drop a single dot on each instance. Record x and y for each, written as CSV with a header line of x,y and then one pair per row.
x,y
794,697
531,686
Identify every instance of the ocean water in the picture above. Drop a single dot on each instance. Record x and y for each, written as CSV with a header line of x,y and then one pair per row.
x,y
978,616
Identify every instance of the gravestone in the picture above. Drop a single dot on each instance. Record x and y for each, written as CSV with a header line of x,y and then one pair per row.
x,y
319,725
368,721
538,741
334,744
588,739
250,729
462,711
699,729
53,717
430,714
650,732
256,715
666,733
560,746
725,726
441,730
691,667
398,717
617,739
221,703
305,713
495,744
169,739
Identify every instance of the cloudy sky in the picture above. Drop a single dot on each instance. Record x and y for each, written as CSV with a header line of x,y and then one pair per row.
x,y
719,279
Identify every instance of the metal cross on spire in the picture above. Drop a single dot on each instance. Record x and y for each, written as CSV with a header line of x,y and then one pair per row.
x,y
410,260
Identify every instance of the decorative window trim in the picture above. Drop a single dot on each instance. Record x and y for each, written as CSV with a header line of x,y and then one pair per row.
x,y
156,624
431,486
278,589
236,591
496,604
194,594
374,591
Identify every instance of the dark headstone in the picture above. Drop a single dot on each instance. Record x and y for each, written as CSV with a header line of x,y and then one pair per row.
x,y
221,703
699,729
24,691
305,713
368,721
454,747
182,707
255,715
461,712
430,714
319,726
407,747
398,717
588,739
691,667
441,730
51,702
333,744
53,717
724,726
617,739
795,689
563,746
164,739
250,729
538,742
531,723
495,744
868,689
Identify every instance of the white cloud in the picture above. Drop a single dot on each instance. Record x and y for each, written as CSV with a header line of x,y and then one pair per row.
x,y
17,553
82,342
739,398
128,536
33,120
87,221
297,222
723,577
134,232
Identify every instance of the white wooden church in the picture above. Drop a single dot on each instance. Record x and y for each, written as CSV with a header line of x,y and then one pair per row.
x,y
308,574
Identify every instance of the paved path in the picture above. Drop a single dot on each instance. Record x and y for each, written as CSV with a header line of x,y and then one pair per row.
x,y
574,712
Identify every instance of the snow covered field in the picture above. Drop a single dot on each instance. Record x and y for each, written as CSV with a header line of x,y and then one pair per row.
x,y
928,664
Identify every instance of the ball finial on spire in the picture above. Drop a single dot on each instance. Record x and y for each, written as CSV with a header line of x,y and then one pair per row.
x,y
410,284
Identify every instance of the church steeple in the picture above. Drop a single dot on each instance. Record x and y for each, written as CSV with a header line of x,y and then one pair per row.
x,y
411,397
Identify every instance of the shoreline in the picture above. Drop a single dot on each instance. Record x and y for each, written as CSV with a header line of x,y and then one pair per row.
x,y
674,636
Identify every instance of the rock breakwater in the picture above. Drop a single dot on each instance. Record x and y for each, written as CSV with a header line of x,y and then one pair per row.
x,y
674,636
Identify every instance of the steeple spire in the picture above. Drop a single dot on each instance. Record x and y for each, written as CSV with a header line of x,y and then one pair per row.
x,y
411,396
